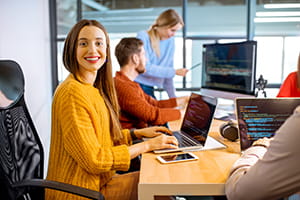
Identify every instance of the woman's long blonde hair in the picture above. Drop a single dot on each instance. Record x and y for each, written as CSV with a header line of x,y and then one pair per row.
x,y
104,81
168,18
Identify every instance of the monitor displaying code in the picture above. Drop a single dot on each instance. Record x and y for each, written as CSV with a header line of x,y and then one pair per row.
x,y
229,67
262,117
198,117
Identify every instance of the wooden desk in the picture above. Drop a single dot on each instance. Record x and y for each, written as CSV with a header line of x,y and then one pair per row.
x,y
205,176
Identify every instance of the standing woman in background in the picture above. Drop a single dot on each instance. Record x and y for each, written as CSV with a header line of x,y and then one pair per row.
x,y
87,143
159,46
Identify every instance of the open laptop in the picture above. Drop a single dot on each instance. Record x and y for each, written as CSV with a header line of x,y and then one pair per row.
x,y
261,117
193,134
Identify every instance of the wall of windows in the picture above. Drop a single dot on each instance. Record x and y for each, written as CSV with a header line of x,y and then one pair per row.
x,y
276,29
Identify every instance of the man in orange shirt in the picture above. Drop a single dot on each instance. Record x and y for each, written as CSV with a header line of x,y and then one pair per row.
x,y
139,110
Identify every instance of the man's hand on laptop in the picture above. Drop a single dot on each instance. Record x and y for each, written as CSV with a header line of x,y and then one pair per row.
x,y
265,142
182,102
151,132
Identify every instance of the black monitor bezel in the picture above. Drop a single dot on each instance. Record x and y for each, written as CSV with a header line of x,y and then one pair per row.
x,y
253,82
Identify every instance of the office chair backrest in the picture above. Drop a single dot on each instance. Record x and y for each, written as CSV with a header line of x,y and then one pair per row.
x,y
21,151
11,80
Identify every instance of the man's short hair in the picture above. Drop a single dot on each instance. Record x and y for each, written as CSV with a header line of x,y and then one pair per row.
x,y
126,48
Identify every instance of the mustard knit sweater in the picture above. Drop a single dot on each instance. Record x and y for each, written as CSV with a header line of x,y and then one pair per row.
x,y
81,151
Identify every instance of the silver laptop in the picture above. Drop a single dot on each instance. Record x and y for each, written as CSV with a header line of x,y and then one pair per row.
x,y
261,117
193,134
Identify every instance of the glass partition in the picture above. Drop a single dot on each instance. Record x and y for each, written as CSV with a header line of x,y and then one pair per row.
x,y
276,23
216,18
66,12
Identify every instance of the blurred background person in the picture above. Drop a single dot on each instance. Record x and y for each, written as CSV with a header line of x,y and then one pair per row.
x,y
159,44
291,85
138,109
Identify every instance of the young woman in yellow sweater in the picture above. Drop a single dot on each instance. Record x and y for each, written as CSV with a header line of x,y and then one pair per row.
x,y
87,143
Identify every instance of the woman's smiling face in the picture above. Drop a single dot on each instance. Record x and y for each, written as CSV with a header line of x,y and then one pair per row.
x,y
91,49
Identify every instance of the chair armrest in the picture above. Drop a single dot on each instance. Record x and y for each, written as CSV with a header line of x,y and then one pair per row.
x,y
64,187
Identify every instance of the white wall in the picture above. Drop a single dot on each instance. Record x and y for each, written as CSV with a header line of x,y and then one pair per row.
x,y
25,38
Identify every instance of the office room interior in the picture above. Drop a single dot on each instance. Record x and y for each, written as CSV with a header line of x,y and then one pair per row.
x,y
33,31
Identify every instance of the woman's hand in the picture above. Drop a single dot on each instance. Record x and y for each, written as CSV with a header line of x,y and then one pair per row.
x,y
161,142
151,131
181,72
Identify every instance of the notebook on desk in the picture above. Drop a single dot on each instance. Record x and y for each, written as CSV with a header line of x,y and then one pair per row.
x,y
261,117
193,134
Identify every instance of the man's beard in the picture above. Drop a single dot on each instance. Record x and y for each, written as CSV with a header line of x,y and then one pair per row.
x,y
140,70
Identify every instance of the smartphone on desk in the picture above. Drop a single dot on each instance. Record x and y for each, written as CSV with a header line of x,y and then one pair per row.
x,y
179,157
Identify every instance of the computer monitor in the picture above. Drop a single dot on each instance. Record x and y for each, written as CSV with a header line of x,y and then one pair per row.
x,y
228,70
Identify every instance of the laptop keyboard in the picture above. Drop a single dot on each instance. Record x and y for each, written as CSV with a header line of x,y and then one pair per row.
x,y
184,141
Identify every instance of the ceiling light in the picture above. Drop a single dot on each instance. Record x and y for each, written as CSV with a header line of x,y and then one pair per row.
x,y
282,5
274,14
276,19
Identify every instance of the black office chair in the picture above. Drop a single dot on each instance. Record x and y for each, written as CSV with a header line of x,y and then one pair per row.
x,y
21,151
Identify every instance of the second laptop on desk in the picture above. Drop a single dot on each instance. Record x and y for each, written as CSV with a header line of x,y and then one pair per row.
x,y
193,134
262,117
